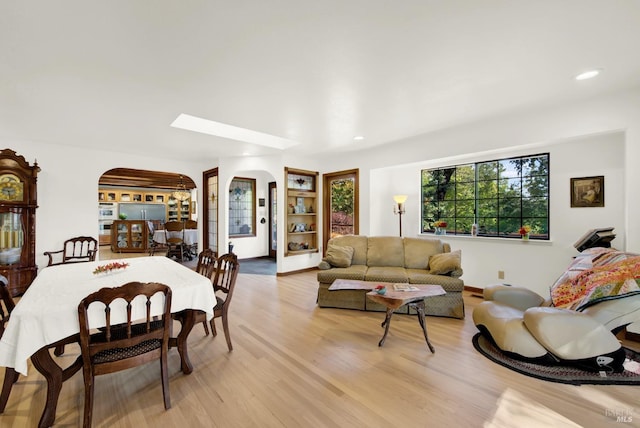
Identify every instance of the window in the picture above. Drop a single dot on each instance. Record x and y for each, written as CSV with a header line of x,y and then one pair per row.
x,y
500,196
242,202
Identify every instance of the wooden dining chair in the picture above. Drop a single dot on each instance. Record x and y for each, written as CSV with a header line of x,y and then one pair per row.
x,y
193,248
74,250
153,244
174,234
224,282
121,343
6,303
206,267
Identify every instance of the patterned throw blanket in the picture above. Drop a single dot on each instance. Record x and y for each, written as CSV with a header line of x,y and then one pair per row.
x,y
597,274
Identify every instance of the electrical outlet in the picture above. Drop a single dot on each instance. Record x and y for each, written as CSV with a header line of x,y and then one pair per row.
x,y
500,274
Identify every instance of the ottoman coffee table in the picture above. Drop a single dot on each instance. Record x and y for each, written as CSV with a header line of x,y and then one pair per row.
x,y
413,297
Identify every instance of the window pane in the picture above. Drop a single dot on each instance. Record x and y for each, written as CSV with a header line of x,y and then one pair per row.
x,y
342,207
487,226
510,187
487,208
488,171
510,168
466,173
465,191
488,189
509,226
465,208
536,186
510,207
241,207
534,207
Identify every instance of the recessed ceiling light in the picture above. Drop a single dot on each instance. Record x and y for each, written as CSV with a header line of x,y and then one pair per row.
x,y
206,126
358,137
588,74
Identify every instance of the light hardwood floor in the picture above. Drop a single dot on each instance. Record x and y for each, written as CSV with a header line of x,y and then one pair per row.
x,y
297,365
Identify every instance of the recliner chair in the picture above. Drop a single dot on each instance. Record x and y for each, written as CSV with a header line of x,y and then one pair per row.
x,y
526,326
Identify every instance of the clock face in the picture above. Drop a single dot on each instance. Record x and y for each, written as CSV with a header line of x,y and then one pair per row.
x,y
11,188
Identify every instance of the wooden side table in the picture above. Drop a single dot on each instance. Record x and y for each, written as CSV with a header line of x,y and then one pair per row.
x,y
392,300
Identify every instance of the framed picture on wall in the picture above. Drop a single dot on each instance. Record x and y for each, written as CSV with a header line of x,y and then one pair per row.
x,y
587,191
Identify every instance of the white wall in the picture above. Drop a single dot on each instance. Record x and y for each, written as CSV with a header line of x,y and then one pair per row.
x,y
68,186
533,264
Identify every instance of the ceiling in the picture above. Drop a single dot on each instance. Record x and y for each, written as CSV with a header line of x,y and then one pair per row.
x,y
115,74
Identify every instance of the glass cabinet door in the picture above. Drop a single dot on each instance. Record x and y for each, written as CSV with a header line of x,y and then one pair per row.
x,y
11,238
123,235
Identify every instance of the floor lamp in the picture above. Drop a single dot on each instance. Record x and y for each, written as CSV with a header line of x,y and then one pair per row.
x,y
398,207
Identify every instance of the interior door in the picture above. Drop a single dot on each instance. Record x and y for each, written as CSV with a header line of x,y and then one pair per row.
x,y
273,220
340,204
210,209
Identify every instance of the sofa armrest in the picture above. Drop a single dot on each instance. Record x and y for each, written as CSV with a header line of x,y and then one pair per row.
x,y
516,297
323,265
455,273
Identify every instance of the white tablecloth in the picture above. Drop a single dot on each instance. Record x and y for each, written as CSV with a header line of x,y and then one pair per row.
x,y
48,311
190,236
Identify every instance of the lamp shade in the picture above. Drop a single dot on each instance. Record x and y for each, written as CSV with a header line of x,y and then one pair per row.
x,y
400,199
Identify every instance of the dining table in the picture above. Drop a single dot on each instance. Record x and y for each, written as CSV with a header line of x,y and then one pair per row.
x,y
46,316
190,236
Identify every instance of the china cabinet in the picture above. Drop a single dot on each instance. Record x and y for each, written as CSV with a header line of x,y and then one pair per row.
x,y
301,234
18,203
129,236
178,210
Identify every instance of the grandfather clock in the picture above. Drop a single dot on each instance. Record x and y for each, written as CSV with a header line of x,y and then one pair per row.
x,y
18,203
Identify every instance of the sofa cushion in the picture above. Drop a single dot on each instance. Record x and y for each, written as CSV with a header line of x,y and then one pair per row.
x,y
357,242
352,272
386,274
420,276
417,252
440,264
385,251
339,256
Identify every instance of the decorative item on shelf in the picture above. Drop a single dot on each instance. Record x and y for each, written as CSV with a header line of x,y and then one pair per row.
x,y
293,246
474,229
181,193
398,208
440,227
292,209
524,232
110,267
381,289
122,216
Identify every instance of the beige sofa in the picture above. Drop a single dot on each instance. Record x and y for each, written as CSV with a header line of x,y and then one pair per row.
x,y
391,259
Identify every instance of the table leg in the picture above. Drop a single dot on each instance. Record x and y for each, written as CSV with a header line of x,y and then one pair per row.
x,y
385,324
419,306
55,376
187,321
10,377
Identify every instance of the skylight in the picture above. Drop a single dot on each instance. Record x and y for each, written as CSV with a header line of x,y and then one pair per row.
x,y
205,126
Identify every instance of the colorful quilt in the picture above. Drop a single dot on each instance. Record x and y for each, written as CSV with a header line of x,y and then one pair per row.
x,y
597,274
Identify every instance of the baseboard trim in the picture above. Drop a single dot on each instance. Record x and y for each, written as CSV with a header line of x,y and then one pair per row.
x,y
475,290
635,337
293,272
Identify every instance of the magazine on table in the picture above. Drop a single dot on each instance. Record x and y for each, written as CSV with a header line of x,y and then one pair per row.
x,y
404,287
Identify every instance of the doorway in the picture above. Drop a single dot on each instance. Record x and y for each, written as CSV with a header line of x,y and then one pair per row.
x,y
273,220
340,202
210,209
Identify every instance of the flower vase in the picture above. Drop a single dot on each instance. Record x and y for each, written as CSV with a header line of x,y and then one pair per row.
x,y
525,237
440,231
